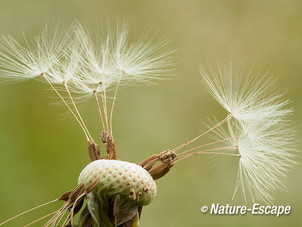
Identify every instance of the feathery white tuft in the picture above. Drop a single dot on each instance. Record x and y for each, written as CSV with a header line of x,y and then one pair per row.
x,y
245,97
113,58
266,149
88,62
259,130
26,60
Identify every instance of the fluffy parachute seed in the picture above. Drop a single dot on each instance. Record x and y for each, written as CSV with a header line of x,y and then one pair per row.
x,y
258,128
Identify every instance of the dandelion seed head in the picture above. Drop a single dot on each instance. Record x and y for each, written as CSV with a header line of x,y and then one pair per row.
x,y
114,176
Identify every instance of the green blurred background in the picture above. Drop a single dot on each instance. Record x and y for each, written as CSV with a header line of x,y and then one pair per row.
x,y
42,153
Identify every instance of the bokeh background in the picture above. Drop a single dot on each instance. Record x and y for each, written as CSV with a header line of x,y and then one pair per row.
x,y
42,153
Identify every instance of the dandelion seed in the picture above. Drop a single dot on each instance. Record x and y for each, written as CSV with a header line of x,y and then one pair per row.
x,y
260,129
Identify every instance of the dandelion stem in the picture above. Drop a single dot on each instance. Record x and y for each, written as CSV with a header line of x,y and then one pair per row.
x,y
61,217
205,145
58,215
99,107
208,151
25,212
60,96
71,209
219,153
76,109
204,133
39,219
104,100
112,107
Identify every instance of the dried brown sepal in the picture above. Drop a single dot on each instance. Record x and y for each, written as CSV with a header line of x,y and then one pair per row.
x,y
94,151
149,162
114,152
116,207
65,196
77,207
91,186
165,159
109,143
76,193
78,203
73,202
161,172
159,167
